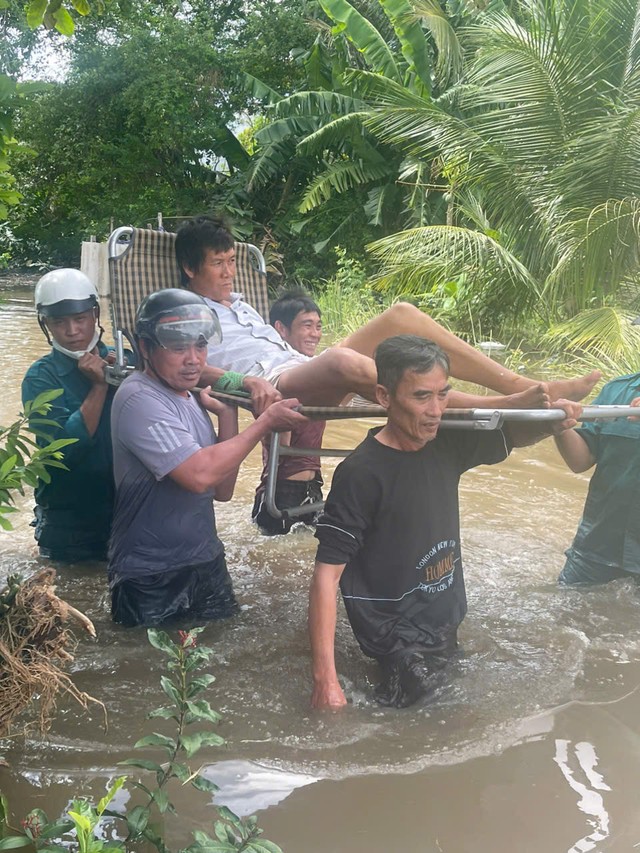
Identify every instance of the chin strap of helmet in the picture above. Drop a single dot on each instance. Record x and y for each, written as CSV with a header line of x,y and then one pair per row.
x,y
75,354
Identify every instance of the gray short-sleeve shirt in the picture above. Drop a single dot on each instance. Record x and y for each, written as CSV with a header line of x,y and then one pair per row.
x,y
158,525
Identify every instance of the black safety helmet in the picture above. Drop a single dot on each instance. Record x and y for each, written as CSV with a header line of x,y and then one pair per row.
x,y
173,317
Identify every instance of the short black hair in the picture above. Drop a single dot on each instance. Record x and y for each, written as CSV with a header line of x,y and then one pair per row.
x,y
287,307
196,236
396,355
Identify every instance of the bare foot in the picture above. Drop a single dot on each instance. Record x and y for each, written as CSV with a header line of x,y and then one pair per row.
x,y
574,389
534,397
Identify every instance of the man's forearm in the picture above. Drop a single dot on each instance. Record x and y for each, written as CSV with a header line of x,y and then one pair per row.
x,y
575,451
92,406
322,622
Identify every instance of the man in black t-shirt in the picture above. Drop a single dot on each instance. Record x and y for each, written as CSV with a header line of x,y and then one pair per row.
x,y
390,533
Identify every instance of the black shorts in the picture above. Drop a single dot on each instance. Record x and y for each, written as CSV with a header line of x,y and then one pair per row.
x,y
195,593
289,494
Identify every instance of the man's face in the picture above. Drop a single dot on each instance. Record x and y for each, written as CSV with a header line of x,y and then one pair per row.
x,y
305,332
415,409
214,277
180,366
74,331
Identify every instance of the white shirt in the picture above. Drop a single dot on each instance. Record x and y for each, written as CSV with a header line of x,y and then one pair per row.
x,y
249,345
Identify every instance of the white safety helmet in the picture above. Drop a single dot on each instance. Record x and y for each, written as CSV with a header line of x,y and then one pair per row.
x,y
60,293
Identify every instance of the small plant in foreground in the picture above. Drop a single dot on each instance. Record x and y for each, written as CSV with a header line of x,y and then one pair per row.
x,y
77,832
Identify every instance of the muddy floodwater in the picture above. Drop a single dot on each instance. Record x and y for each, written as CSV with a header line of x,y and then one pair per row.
x,y
533,744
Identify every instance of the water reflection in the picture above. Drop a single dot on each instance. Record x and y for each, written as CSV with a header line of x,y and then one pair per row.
x,y
530,696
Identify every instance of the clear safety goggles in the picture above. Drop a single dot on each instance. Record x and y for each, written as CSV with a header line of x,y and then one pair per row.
x,y
187,325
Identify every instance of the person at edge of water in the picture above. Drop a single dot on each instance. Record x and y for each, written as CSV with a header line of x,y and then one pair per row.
x,y
390,532
607,542
251,348
73,511
298,321
165,558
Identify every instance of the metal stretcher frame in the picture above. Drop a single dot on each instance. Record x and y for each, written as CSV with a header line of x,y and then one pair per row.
x,y
476,419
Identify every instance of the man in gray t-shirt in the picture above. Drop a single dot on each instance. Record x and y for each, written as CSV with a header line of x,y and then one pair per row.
x,y
165,558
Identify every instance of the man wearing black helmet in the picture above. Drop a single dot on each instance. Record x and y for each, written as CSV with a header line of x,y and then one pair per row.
x,y
73,511
165,559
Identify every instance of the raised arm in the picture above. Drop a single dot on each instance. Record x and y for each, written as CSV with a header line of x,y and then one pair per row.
x,y
211,466
327,692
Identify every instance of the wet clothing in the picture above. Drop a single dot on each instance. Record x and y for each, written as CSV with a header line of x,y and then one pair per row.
x,y
291,493
198,593
159,527
73,512
393,518
249,345
607,543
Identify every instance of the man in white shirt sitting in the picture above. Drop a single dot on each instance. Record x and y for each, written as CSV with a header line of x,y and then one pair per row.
x,y
250,347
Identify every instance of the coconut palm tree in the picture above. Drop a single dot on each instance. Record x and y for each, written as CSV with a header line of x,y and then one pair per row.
x,y
539,139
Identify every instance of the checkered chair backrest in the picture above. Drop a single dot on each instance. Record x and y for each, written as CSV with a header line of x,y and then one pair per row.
x,y
148,263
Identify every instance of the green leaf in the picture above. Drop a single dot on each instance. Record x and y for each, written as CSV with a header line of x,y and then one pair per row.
x,y
81,6
160,640
35,13
170,689
192,743
14,841
203,710
232,817
257,845
202,784
364,36
156,740
180,770
56,829
137,820
198,684
161,800
113,790
63,22
81,821
164,713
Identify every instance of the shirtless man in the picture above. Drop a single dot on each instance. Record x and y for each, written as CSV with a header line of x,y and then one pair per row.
x,y
250,347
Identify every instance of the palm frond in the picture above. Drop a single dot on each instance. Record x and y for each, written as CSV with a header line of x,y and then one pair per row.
x,y
317,104
340,177
420,260
449,50
334,134
598,251
605,333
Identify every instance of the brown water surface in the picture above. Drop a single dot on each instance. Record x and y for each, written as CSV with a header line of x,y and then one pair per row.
x,y
532,745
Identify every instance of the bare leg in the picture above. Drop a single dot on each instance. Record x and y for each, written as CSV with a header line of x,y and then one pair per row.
x,y
467,363
328,378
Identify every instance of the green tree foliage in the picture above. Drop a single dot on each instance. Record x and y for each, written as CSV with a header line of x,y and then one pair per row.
x,y
541,159
142,122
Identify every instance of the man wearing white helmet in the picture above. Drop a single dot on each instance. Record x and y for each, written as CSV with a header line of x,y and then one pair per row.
x,y
73,512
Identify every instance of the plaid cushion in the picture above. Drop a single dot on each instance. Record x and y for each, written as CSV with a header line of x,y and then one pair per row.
x,y
149,263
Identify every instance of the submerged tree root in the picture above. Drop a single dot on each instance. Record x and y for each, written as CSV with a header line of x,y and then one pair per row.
x,y
35,647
